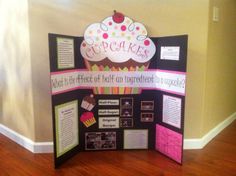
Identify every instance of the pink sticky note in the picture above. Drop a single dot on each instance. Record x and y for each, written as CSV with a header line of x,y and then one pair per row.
x,y
169,142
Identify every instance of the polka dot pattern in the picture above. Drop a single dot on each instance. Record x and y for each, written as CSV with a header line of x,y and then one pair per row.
x,y
123,27
105,35
109,36
146,42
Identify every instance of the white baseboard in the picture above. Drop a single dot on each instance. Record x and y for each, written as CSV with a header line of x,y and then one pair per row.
x,y
47,147
199,143
34,147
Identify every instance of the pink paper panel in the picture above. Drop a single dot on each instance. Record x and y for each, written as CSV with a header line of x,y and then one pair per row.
x,y
169,143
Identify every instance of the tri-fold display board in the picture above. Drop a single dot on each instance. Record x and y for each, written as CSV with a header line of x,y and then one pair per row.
x,y
115,88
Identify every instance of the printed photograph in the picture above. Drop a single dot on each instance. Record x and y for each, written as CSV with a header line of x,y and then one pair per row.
x,y
126,122
126,103
147,117
126,112
147,105
100,140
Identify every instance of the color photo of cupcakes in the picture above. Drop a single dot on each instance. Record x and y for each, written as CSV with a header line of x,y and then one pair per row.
x,y
117,44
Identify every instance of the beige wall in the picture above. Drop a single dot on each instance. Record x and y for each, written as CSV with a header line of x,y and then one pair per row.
x,y
161,17
220,94
16,103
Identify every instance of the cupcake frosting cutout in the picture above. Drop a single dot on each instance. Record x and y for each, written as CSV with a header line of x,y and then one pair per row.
x,y
119,39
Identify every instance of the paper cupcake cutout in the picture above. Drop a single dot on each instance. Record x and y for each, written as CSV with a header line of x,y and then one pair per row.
x,y
88,119
117,44
88,102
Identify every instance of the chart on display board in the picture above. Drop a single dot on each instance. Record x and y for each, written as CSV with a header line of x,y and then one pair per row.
x,y
115,88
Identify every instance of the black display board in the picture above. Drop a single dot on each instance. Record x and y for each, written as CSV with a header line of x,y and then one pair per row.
x,y
87,117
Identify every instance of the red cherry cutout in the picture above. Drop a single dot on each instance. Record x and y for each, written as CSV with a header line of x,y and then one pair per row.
x,y
118,17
